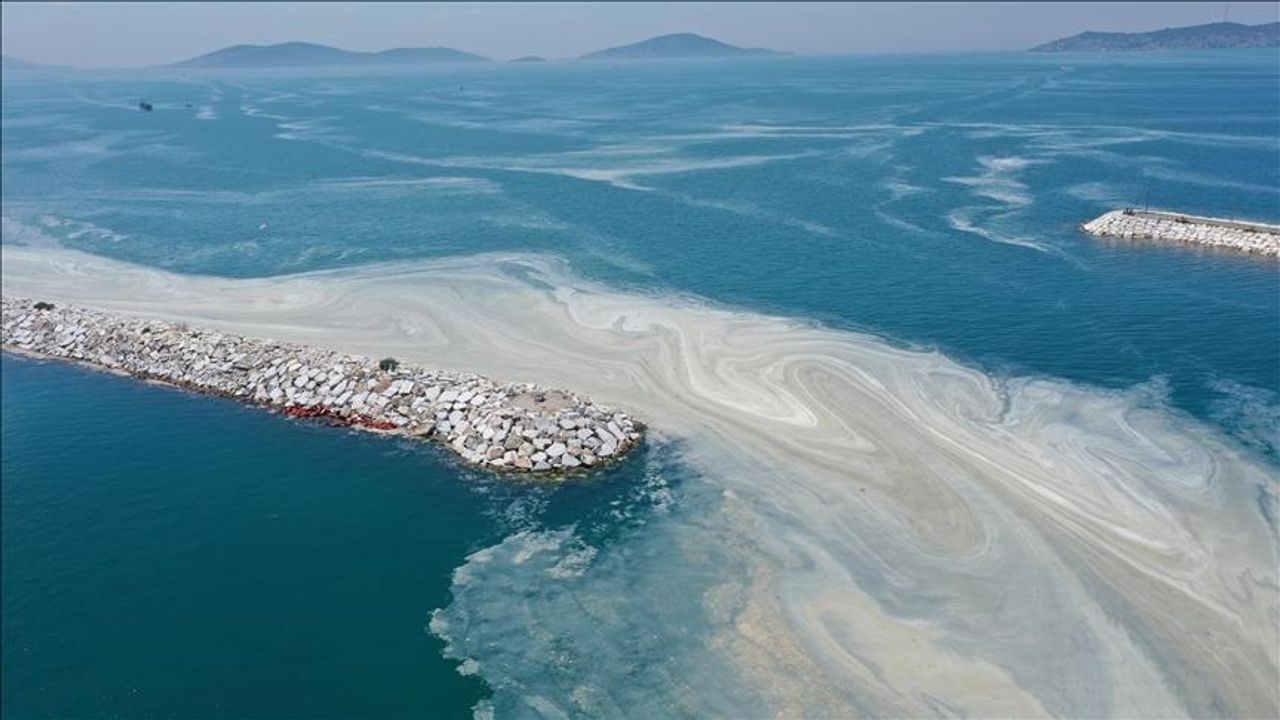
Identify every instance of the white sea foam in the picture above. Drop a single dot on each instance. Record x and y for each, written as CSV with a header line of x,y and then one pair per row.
x,y
529,218
997,179
89,100
26,120
252,110
1106,193
998,182
1188,177
49,231
440,183
555,126
965,219
877,531
1254,411
751,210
759,130
17,232
899,189
70,150
1073,137
617,166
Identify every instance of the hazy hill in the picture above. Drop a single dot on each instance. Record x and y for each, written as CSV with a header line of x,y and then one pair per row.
x,y
13,63
302,54
529,58
1196,37
9,62
679,45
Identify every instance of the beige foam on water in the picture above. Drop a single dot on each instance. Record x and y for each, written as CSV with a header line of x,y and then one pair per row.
x,y
923,539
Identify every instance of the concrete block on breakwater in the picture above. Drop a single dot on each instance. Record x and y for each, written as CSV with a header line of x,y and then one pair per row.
x,y
1237,235
504,426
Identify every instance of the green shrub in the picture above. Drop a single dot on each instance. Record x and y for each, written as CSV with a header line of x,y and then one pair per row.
x,y
388,364
43,306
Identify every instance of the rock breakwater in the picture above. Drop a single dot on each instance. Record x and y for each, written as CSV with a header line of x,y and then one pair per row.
x,y
504,426
1252,238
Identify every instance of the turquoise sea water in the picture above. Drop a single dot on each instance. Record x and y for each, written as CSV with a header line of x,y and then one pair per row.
x,y
171,555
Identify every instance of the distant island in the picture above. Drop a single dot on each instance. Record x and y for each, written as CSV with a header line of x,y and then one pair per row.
x,y
303,54
8,62
308,54
678,45
1213,36
13,63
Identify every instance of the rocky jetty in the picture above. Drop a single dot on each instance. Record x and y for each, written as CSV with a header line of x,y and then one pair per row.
x,y
502,426
1240,236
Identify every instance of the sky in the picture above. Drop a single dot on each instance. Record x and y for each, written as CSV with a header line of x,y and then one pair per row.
x,y
138,34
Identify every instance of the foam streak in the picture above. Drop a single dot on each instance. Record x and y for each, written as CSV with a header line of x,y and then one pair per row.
x,y
912,537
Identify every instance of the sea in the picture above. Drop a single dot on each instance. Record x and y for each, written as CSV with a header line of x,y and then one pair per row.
x,y
918,446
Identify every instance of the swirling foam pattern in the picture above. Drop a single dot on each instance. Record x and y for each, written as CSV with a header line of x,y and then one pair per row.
x,y
884,532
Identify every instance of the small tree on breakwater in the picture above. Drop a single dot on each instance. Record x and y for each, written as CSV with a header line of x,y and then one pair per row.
x,y
388,364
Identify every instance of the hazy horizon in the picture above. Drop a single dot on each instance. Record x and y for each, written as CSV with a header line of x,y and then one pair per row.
x,y
144,34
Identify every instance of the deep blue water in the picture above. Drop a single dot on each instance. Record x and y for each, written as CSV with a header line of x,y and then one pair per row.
x,y
169,555
929,200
